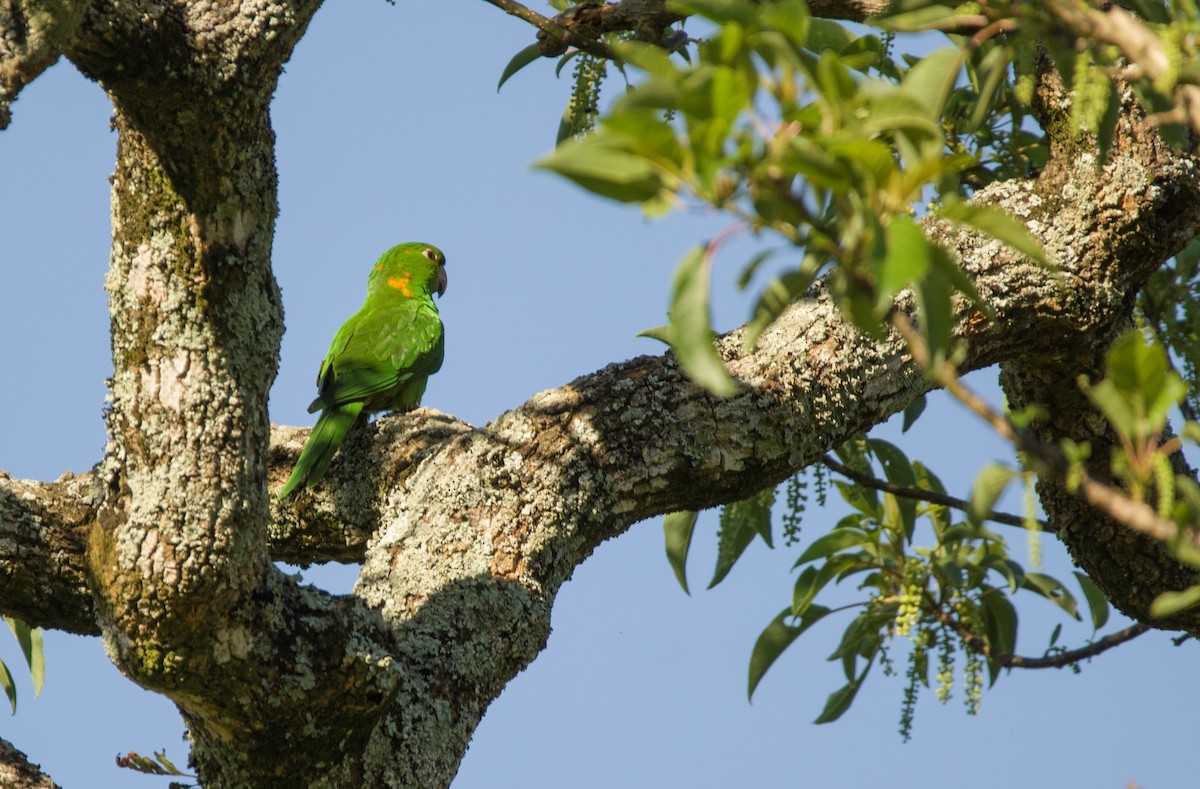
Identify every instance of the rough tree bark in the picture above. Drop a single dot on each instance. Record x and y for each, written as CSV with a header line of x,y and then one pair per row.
x,y
465,534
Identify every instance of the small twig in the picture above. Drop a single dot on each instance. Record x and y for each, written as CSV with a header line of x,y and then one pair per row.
x,y
920,494
553,30
1058,660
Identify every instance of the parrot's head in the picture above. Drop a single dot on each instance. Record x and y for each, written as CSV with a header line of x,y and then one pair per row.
x,y
413,270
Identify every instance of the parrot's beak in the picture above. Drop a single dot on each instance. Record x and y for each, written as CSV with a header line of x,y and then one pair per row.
x,y
441,280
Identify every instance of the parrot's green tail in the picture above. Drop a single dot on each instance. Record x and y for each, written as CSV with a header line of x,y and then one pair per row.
x,y
323,442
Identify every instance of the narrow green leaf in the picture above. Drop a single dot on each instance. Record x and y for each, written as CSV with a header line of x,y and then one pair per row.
x,y
691,331
602,165
994,70
660,333
906,261
936,314
840,700
834,542
1097,602
958,278
918,20
899,471
791,17
989,485
30,640
912,412
826,34
998,224
518,62
1014,574
1169,603
720,10
37,660
734,536
932,79
863,499
1000,623
777,637
1053,590
10,687
677,529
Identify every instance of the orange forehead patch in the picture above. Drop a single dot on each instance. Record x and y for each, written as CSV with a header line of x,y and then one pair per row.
x,y
401,284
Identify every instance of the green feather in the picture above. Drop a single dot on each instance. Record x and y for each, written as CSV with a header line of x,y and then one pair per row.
x,y
381,357
323,442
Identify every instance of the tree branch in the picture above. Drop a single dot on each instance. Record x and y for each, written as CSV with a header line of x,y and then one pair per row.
x,y
1066,657
33,34
17,772
920,494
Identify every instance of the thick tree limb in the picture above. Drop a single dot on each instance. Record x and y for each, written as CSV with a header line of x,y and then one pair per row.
x,y
33,34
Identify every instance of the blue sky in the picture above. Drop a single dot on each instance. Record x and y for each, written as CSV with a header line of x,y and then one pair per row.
x,y
390,129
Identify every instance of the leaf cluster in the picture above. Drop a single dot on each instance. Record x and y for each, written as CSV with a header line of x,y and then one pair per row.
x,y
815,139
918,574
30,639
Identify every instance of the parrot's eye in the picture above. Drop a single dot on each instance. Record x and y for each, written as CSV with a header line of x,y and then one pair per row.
x,y
432,255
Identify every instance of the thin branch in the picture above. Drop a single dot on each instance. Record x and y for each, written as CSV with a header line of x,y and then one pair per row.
x,y
554,32
921,494
1061,659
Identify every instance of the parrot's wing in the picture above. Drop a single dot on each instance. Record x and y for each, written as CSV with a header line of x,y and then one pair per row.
x,y
379,349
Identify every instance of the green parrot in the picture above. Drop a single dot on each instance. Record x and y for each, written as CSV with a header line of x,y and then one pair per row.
x,y
382,356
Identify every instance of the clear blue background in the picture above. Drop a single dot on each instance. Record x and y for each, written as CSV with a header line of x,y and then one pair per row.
x,y
390,129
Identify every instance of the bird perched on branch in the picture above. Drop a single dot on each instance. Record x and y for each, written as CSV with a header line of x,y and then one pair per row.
x,y
382,356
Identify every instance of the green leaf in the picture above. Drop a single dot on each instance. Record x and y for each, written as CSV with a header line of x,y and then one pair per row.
x,y
720,10
989,485
1097,602
958,278
740,522
937,315
1000,624
691,332
994,71
906,261
10,687
1051,589
518,62
790,17
912,412
900,472
998,224
826,34
840,700
812,580
834,542
1165,604
918,20
660,333
602,165
1014,574
30,640
777,637
677,529
932,79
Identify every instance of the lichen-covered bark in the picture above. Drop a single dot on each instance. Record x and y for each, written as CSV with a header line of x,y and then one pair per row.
x,y
17,772
33,35
465,534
